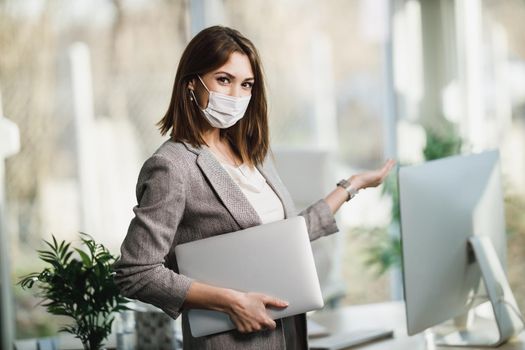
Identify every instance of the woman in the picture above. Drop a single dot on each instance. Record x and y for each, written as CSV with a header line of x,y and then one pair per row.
x,y
214,176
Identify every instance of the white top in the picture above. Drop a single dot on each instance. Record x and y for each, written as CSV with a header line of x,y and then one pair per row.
x,y
260,195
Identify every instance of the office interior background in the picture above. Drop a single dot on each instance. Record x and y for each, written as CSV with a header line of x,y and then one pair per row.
x,y
349,84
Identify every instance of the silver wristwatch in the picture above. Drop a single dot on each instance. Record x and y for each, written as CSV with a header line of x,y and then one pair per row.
x,y
349,189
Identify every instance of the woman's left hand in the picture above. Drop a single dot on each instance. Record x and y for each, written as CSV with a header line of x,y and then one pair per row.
x,y
372,178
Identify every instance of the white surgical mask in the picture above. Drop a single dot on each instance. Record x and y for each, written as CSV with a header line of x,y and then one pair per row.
x,y
223,110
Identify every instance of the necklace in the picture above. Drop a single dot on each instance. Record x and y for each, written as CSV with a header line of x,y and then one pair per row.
x,y
231,159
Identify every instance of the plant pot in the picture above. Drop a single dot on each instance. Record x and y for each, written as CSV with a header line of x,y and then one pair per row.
x,y
154,329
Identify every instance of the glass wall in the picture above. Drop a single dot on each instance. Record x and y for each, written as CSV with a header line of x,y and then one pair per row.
x,y
85,81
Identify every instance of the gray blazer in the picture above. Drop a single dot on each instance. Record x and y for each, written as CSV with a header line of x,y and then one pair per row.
x,y
184,194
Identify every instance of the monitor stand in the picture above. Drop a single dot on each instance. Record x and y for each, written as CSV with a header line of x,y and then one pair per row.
x,y
507,317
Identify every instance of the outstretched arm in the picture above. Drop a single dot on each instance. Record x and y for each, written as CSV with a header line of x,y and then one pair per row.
x,y
359,181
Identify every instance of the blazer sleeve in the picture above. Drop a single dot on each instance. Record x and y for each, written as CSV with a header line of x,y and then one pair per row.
x,y
319,220
140,272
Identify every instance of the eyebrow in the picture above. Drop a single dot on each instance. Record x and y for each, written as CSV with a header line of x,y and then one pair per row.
x,y
231,76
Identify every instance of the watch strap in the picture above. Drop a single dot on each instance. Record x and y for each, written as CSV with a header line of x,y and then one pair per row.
x,y
351,191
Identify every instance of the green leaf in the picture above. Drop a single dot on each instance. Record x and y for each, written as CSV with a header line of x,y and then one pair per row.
x,y
65,250
52,247
61,248
85,258
67,257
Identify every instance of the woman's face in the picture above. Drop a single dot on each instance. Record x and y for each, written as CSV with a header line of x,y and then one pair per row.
x,y
234,78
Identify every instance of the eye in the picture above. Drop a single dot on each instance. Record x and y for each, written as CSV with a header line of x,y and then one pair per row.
x,y
247,85
223,80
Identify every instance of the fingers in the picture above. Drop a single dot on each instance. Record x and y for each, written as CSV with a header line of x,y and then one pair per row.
x,y
275,302
389,164
271,324
373,178
254,316
241,324
268,323
255,326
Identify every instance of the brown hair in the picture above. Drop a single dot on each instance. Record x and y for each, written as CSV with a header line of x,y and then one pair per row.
x,y
209,50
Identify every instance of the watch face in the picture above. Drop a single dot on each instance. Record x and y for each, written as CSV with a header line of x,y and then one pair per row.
x,y
343,183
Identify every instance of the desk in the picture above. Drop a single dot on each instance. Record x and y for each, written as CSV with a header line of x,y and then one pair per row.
x,y
388,315
383,315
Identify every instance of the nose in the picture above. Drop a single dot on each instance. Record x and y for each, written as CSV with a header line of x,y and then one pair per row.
x,y
236,90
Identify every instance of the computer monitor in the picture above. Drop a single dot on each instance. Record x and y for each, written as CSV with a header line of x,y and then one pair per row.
x,y
453,237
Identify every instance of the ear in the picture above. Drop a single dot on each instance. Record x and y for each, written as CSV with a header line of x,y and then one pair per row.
x,y
191,84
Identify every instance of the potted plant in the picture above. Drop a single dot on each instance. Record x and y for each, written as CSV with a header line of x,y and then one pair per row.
x,y
80,286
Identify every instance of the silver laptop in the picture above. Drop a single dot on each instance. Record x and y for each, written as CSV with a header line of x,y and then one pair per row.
x,y
274,259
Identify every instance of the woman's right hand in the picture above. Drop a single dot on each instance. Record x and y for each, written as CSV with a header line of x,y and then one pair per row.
x,y
248,311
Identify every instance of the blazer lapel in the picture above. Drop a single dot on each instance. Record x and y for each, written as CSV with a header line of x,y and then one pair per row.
x,y
227,190
231,195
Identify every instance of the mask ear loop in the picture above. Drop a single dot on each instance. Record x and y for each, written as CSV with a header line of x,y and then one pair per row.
x,y
192,97
198,76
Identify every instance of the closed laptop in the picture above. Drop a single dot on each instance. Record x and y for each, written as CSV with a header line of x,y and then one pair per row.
x,y
275,259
